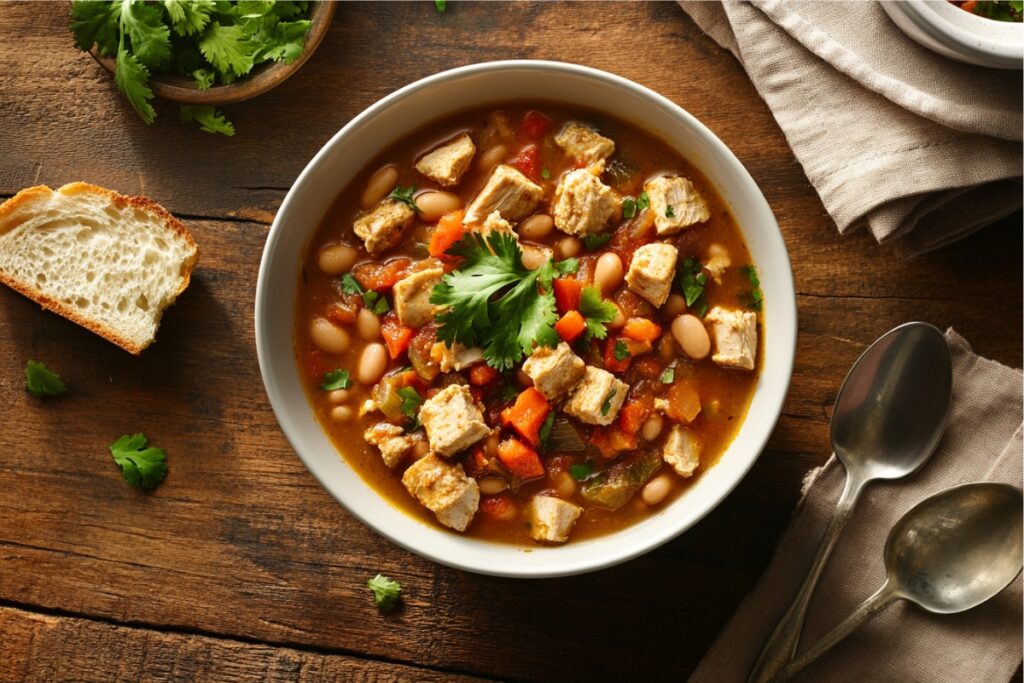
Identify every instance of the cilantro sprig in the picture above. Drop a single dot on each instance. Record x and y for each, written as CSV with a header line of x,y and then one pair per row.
x,y
404,195
375,301
410,407
596,312
211,42
493,301
41,382
692,280
141,466
336,379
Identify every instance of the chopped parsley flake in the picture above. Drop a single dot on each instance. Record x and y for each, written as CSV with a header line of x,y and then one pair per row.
x,y
607,405
404,195
668,376
754,298
596,241
621,350
692,280
40,381
349,285
545,430
411,402
377,303
643,201
669,211
628,207
385,592
545,174
581,471
336,379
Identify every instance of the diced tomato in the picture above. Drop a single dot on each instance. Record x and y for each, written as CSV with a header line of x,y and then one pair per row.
x,y
570,326
611,363
396,335
611,441
632,416
449,230
481,374
641,329
567,294
535,124
381,276
527,414
520,459
528,161
343,312
683,401
499,507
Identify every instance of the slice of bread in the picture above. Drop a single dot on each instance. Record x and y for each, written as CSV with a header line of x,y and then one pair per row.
x,y
108,262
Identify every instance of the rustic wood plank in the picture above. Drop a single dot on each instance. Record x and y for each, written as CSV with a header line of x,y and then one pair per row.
x,y
41,647
240,540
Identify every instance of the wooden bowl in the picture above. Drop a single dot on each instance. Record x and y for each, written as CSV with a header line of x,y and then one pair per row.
x,y
176,88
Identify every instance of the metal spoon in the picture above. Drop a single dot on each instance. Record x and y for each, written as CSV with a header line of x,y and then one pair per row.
x,y
888,418
950,553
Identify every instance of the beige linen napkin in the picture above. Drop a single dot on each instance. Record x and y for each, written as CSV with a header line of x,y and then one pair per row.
x,y
983,442
920,149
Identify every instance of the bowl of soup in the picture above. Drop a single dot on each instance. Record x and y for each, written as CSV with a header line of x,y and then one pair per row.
x,y
526,318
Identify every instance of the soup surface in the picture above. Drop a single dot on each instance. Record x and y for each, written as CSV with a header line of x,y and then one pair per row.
x,y
529,323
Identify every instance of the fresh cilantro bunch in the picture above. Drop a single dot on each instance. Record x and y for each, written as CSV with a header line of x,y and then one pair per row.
x,y
210,41
492,300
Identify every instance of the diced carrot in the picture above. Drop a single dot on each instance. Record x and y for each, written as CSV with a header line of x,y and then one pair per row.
x,y
527,414
520,459
449,230
535,124
499,507
970,6
683,401
396,335
641,329
528,161
611,363
342,313
570,326
481,374
567,294
381,276
632,416
611,441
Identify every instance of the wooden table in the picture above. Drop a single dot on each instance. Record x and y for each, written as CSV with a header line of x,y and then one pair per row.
x,y
240,566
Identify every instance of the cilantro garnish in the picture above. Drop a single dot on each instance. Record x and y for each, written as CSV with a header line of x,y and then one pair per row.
x,y
754,298
350,285
212,42
439,5
40,381
668,376
545,174
596,241
581,471
628,207
508,391
569,266
643,201
596,311
336,379
669,211
404,195
545,430
493,301
377,303
621,350
141,467
411,402
385,592
692,280
607,405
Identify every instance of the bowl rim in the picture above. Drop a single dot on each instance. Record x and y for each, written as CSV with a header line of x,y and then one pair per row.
x,y
784,335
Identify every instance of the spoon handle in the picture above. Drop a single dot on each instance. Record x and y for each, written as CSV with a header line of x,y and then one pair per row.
x,y
781,645
884,597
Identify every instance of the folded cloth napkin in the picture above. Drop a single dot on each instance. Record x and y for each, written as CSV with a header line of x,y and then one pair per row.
x,y
918,148
982,442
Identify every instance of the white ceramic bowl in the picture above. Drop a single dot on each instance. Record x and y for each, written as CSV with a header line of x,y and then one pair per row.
x,y
955,33
408,109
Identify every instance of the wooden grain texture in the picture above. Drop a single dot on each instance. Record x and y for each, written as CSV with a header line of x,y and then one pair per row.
x,y
40,647
241,542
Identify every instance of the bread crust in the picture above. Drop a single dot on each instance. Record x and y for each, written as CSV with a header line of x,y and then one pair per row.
x,y
31,194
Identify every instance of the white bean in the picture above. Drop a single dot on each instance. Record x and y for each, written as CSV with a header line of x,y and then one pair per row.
x,y
367,325
378,186
568,247
608,272
492,157
338,396
656,489
535,257
619,321
373,361
692,337
565,484
341,413
536,227
329,337
434,204
651,427
337,259
490,486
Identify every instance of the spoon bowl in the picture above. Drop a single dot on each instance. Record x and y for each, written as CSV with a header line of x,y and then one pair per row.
x,y
957,549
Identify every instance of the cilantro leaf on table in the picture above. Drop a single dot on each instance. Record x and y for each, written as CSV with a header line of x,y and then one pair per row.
x,y
385,592
40,381
210,120
596,312
141,467
492,300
